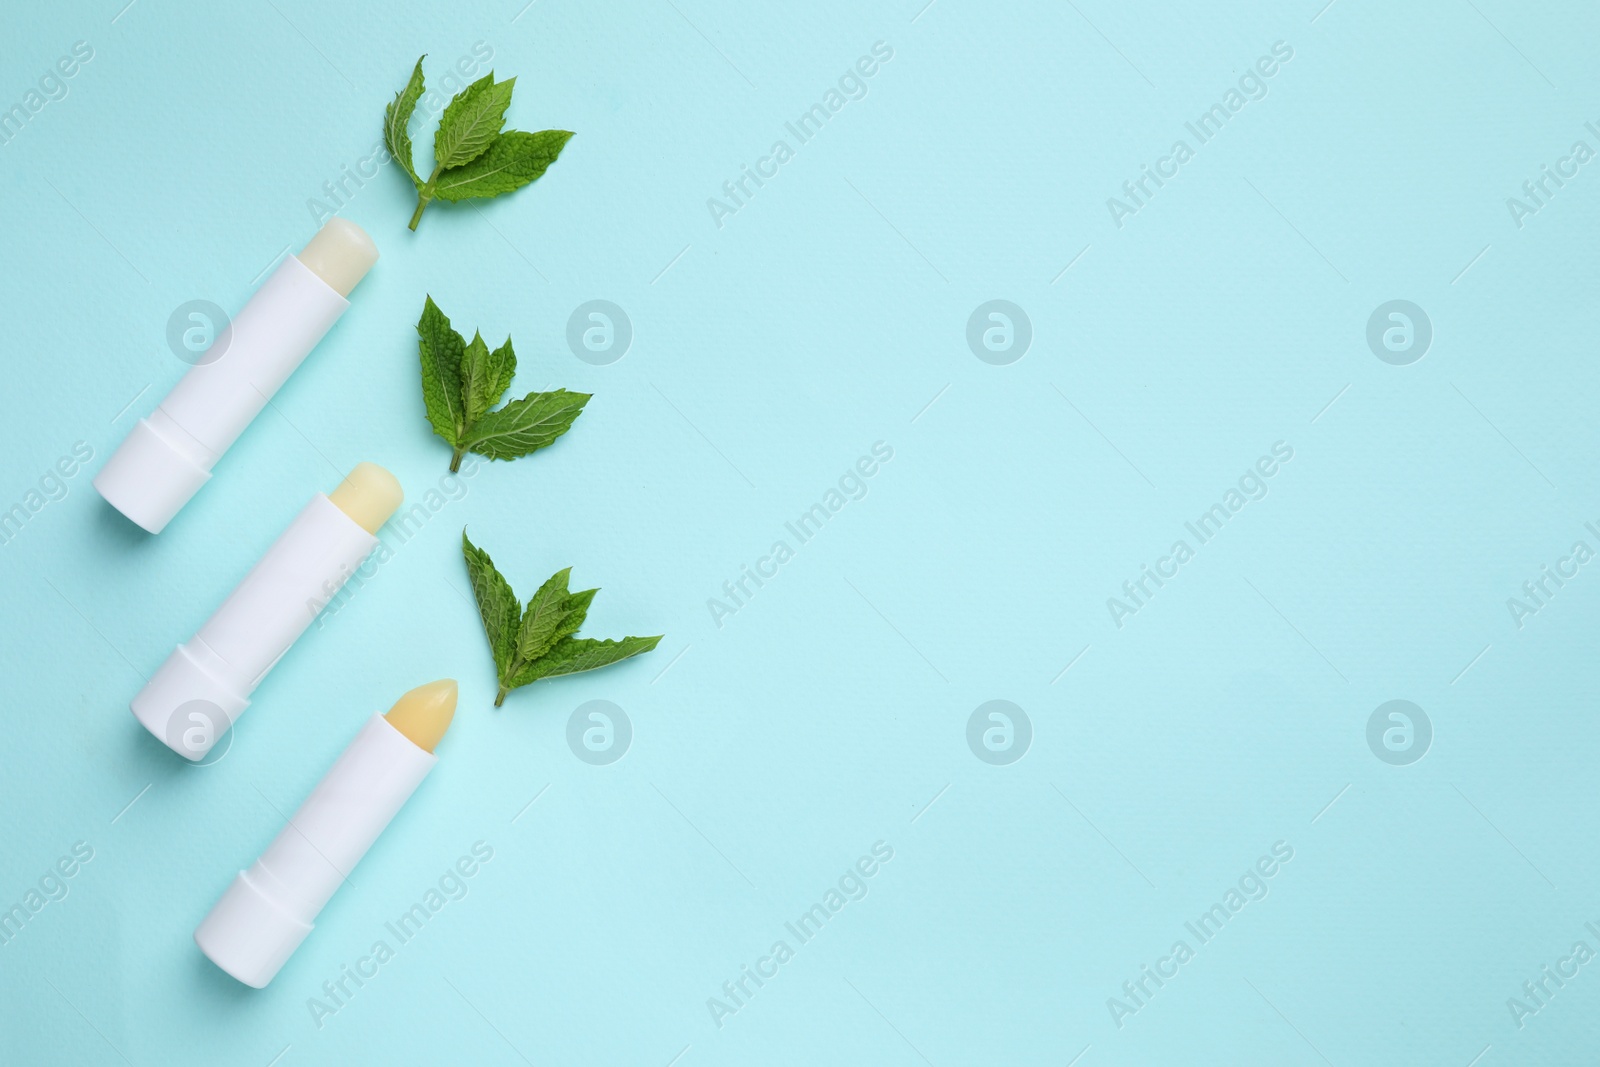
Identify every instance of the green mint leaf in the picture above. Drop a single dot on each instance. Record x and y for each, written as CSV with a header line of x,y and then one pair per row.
x,y
573,655
497,605
462,381
525,425
485,376
512,161
474,155
542,621
476,397
539,642
472,122
502,367
553,615
397,122
576,609
441,348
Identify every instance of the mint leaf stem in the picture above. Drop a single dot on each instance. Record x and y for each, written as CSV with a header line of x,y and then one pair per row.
x,y
424,198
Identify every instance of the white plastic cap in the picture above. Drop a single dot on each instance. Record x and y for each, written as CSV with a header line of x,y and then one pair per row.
x,y
187,706
149,480
248,935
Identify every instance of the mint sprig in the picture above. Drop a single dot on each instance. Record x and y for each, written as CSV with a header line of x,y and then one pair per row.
x,y
537,641
473,156
461,382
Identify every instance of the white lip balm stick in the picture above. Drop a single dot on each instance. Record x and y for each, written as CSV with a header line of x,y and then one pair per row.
x,y
205,685
168,456
270,908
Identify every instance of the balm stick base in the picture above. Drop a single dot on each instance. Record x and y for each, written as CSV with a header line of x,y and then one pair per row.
x,y
249,936
148,479
185,705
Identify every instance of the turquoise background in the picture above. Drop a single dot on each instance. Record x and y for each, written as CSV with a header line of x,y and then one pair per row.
x,y
831,711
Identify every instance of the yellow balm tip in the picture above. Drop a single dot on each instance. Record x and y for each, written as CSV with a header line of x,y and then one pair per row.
x,y
340,254
424,714
369,495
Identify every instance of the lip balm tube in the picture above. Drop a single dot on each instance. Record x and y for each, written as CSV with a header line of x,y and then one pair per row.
x,y
205,685
269,909
168,456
